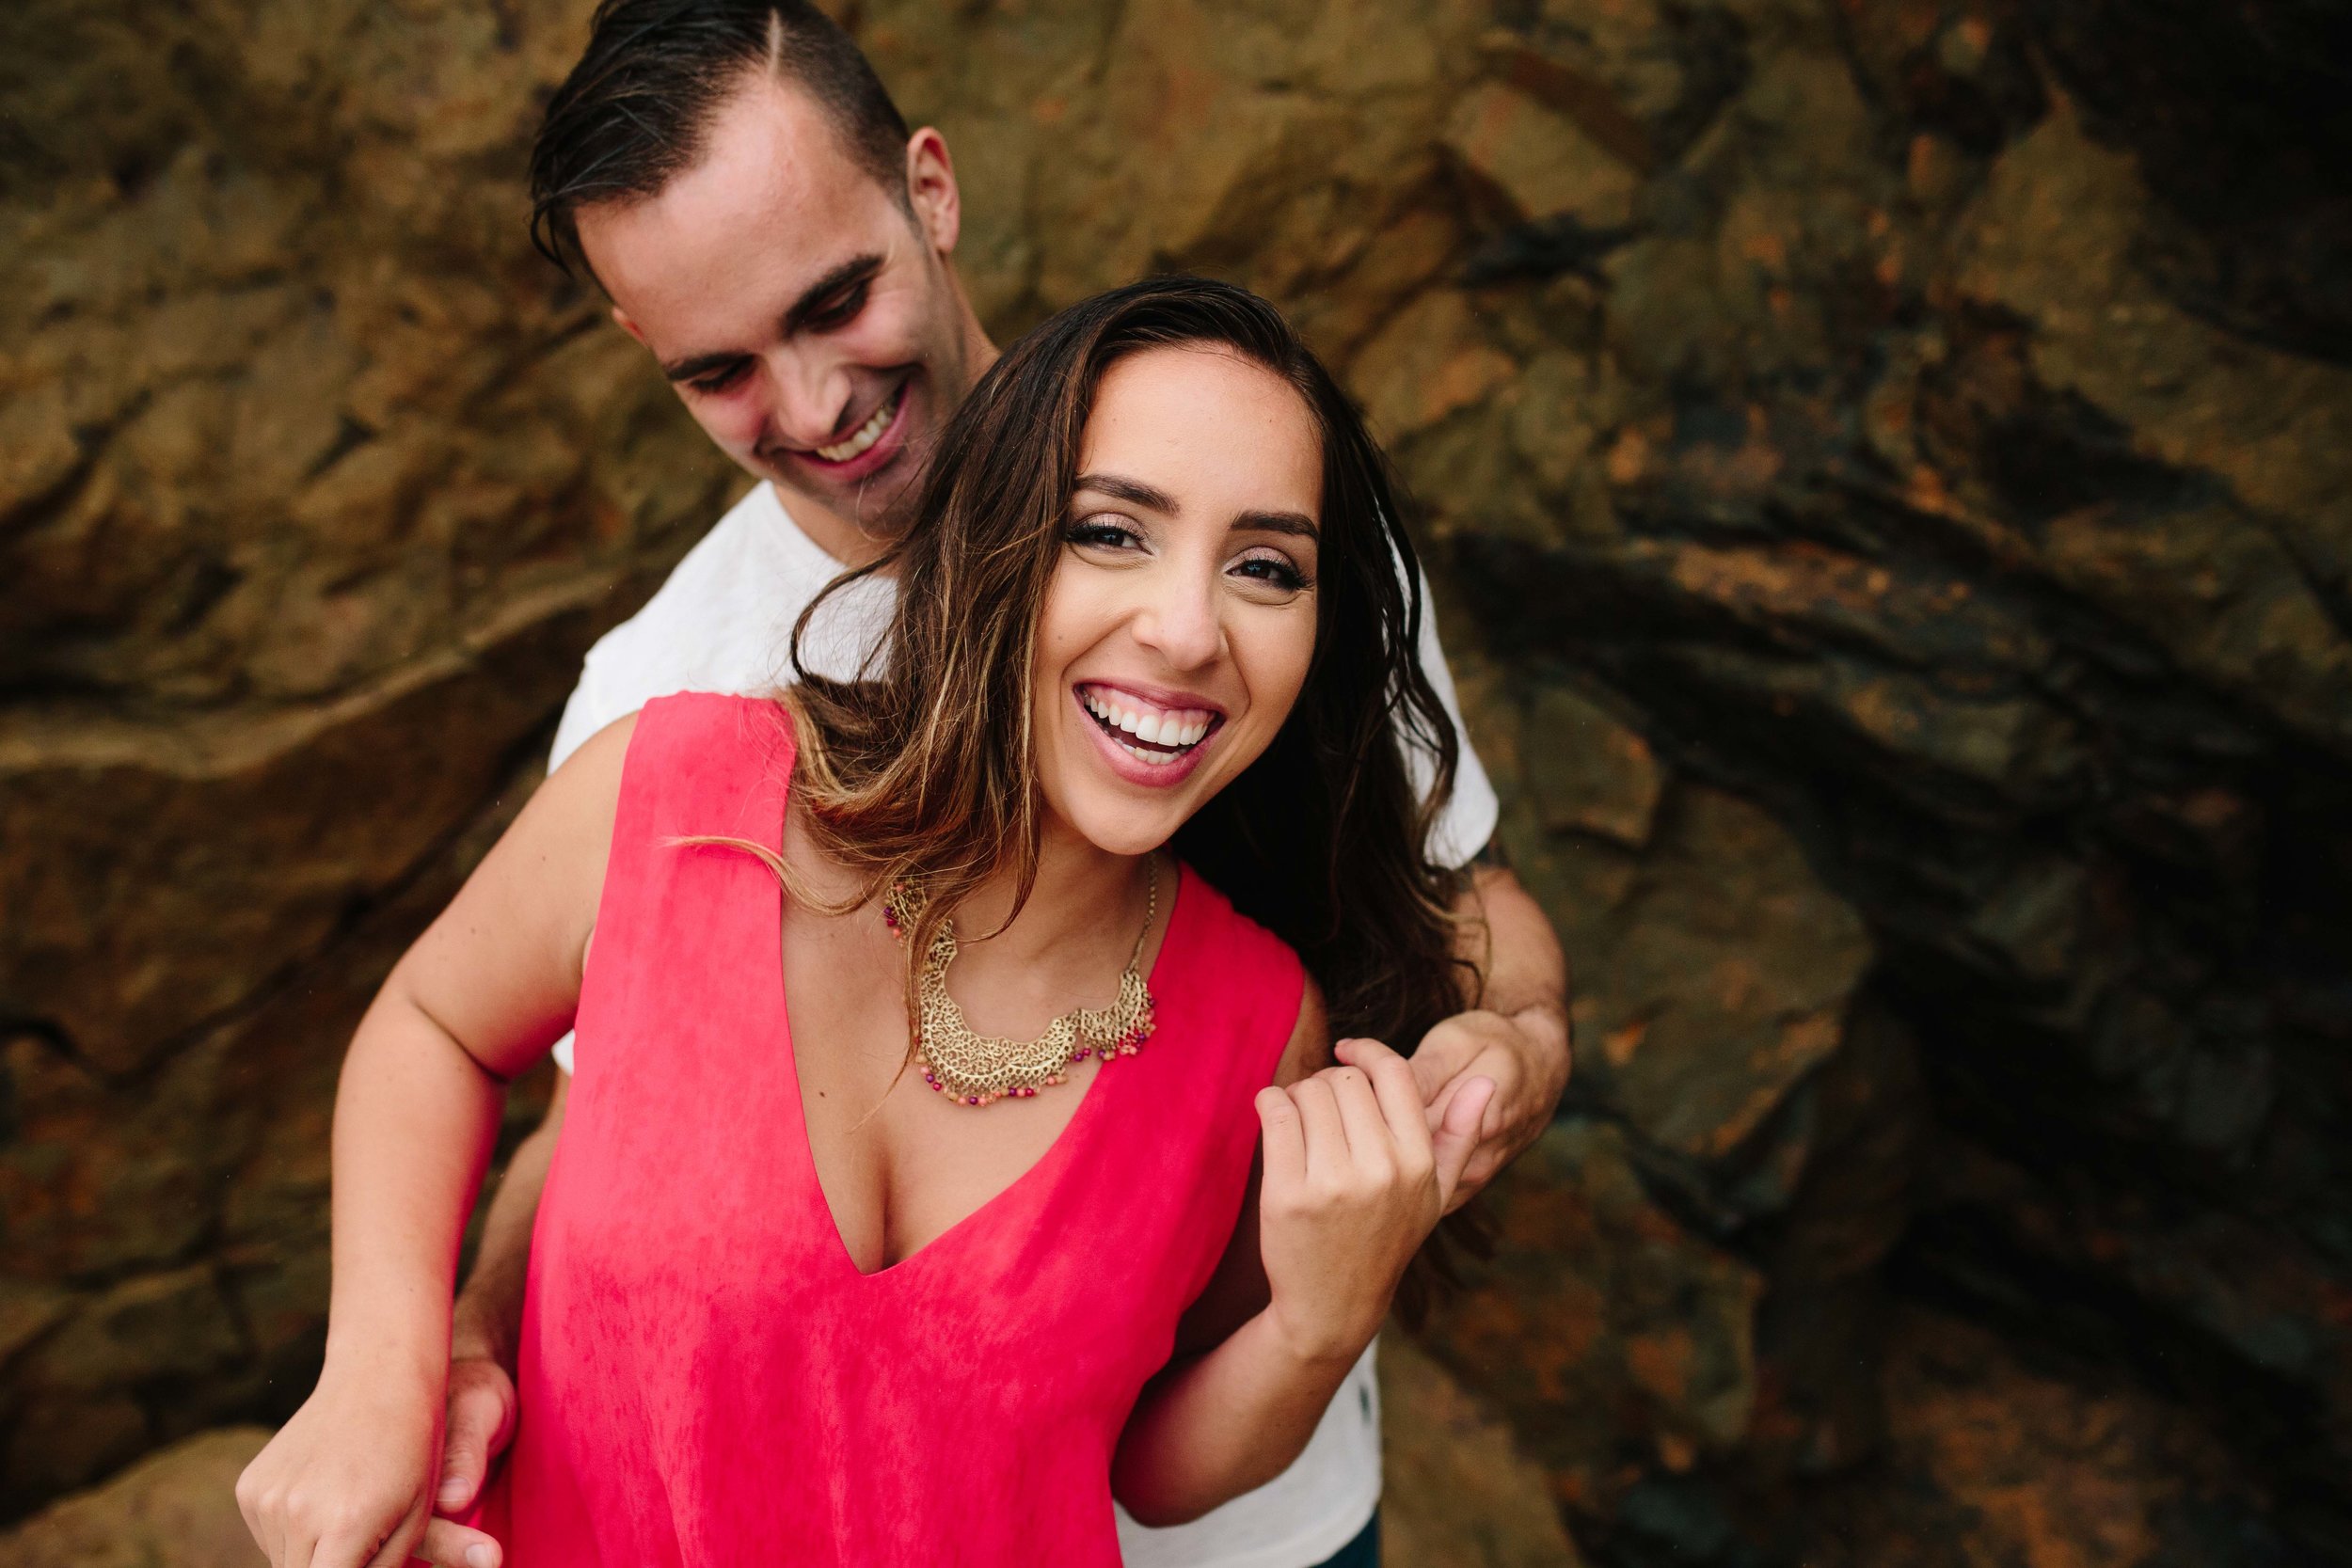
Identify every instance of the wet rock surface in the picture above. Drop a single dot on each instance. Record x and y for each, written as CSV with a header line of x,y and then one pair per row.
x,y
1888,474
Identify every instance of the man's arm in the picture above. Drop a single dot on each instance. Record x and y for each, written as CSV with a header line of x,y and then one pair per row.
x,y
489,1311
1517,1033
482,1332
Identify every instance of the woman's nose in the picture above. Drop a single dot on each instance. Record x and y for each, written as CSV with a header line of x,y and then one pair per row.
x,y
1180,622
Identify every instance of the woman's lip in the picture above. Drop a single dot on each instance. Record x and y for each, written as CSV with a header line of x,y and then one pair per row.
x,y
886,446
1133,769
1167,699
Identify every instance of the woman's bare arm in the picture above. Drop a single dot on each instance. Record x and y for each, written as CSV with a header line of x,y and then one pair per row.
x,y
487,988
1350,1183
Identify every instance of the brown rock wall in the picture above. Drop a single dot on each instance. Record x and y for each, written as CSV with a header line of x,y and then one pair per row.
x,y
1885,468
307,465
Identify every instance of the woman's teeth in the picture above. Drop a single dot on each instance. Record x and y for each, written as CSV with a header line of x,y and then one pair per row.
x,y
1170,733
868,432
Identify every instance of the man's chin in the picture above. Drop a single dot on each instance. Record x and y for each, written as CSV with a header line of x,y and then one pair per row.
x,y
880,505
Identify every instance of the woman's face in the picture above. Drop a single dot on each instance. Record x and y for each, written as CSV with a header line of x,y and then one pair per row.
x,y
1181,620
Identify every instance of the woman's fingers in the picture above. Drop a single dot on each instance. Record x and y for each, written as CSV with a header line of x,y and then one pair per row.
x,y
260,1517
406,1538
393,1550
1371,1153
1457,1135
297,1546
346,1546
1399,1095
1319,1116
1285,1141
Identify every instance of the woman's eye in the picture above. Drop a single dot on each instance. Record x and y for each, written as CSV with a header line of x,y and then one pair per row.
x,y
1097,535
1275,571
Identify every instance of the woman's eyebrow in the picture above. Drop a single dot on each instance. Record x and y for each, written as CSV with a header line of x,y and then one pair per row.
x,y
1296,523
1133,491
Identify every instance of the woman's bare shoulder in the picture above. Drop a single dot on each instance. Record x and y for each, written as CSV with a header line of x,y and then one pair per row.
x,y
553,857
576,807
595,765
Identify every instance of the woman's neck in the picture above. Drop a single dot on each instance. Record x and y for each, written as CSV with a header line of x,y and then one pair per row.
x,y
1078,885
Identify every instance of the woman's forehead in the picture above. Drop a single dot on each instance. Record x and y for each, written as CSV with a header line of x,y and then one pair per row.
x,y
1208,427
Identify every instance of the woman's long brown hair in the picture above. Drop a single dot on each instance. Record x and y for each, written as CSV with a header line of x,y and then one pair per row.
x,y
923,766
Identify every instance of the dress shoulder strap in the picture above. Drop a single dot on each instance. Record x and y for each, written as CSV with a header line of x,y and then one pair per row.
x,y
698,765
705,764
1240,982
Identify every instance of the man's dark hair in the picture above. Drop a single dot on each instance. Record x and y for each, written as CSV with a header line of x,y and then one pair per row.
x,y
636,110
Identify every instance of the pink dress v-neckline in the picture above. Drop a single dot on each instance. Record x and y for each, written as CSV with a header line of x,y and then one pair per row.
x,y
778,1024
706,1378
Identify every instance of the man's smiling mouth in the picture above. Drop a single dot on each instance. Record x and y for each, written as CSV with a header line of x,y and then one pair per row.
x,y
864,437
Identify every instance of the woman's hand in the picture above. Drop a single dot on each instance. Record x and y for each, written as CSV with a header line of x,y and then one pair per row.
x,y
349,1480
1354,1181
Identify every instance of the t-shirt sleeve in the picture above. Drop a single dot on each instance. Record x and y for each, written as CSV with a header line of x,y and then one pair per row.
x,y
1467,822
583,715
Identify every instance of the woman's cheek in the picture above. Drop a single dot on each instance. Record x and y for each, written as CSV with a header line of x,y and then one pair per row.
x,y
1288,650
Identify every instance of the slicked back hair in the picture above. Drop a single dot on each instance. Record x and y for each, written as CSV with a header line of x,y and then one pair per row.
x,y
636,111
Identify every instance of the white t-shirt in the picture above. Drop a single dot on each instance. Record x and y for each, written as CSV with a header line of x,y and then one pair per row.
x,y
723,623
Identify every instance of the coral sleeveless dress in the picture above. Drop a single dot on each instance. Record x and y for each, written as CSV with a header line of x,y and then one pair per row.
x,y
707,1379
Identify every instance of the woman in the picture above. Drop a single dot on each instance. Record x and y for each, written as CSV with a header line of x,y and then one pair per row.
x,y
839,1262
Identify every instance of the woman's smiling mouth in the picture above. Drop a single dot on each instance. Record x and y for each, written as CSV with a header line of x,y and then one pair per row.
x,y
1154,735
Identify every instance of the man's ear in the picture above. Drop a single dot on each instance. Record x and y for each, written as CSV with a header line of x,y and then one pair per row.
x,y
627,324
931,190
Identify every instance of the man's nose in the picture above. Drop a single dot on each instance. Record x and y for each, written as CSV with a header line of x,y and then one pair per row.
x,y
812,401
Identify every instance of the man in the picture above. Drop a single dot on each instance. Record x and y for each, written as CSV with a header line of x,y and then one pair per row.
x,y
736,180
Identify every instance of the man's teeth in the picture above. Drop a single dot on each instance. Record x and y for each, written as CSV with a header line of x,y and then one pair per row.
x,y
1175,730
867,434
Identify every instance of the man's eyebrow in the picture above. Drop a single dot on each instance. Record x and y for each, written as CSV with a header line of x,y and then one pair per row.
x,y
857,269
701,364
1133,491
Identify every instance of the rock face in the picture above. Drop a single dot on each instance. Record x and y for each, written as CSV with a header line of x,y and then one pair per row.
x,y
1459,1491
1888,474
172,1509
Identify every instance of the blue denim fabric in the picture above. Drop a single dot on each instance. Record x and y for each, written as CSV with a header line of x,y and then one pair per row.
x,y
1362,1552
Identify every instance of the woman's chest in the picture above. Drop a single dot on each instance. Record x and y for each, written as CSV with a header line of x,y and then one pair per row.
x,y
899,1165
729,1244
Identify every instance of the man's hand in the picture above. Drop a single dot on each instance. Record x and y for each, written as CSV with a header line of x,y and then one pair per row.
x,y
479,1424
1517,1033
479,1420
1525,1056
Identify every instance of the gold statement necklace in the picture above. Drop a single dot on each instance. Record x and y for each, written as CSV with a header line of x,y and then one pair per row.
x,y
972,1069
